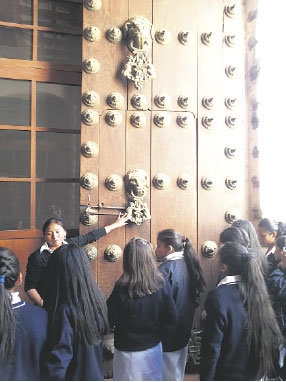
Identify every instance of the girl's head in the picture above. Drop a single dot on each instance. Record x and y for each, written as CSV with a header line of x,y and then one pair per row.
x,y
10,276
54,232
140,273
70,282
280,247
169,241
233,256
267,232
234,234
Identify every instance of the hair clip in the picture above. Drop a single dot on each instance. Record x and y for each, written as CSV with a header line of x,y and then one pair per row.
x,y
2,279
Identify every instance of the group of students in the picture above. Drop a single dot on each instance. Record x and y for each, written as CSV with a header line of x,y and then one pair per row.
x,y
151,309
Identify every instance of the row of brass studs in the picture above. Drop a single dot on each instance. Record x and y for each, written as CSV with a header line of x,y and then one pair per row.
x,y
208,182
114,181
208,122
208,103
112,253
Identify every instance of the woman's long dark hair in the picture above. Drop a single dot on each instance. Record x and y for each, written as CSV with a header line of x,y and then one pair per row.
x,y
234,234
140,274
271,226
262,329
9,267
254,244
70,283
181,243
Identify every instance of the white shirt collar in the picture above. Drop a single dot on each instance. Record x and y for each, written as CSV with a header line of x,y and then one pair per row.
x,y
230,280
174,256
15,298
47,248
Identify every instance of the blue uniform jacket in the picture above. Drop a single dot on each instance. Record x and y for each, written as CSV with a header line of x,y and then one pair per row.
x,y
223,352
31,336
141,322
186,297
276,285
71,360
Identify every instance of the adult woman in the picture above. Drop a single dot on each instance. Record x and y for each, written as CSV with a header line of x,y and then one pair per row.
x,y
77,317
247,226
142,308
240,338
23,327
182,269
55,235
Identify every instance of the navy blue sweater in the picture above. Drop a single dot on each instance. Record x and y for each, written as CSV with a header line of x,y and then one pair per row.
x,y
141,323
31,336
223,352
69,359
37,262
186,297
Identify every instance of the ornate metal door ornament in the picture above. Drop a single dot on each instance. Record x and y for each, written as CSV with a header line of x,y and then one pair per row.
x,y
89,181
184,101
206,38
139,33
92,5
230,103
89,149
91,65
91,251
114,35
115,100
113,182
88,219
229,11
90,117
207,122
138,120
163,36
209,248
113,253
113,118
230,71
92,33
186,37
207,102
230,40
161,181
232,214
230,152
231,183
162,100
136,183
230,121
162,119
207,182
90,98
185,181
139,102
184,120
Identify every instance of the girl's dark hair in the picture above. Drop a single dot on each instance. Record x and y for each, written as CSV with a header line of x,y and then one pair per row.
x,y
232,234
271,226
140,274
70,283
263,332
10,268
50,221
281,242
182,243
254,244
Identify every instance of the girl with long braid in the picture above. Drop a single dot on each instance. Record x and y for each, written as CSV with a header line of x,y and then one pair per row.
x,y
241,335
182,269
23,327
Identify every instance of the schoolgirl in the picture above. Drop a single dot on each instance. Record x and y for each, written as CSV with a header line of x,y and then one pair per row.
x,y
182,269
55,236
23,327
240,337
142,309
77,317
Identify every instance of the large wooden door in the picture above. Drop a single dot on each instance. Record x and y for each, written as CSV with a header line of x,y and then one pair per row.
x,y
197,95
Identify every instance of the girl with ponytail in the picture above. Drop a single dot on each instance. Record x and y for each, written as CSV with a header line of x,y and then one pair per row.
x,y
182,269
23,327
241,335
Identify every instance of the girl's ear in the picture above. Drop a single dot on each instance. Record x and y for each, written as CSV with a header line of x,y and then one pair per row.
x,y
224,268
20,279
170,249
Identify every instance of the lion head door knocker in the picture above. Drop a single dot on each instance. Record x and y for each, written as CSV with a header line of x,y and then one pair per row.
x,y
139,33
136,183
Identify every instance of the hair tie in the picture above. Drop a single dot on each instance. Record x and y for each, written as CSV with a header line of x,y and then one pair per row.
x,y
2,279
